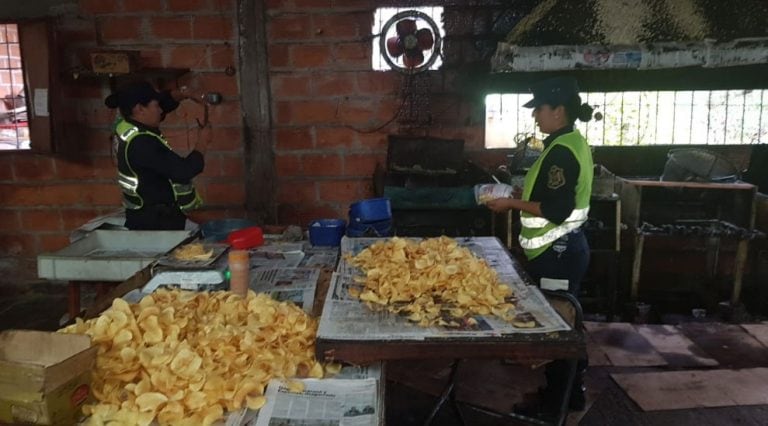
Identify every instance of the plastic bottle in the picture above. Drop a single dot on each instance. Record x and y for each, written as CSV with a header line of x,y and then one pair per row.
x,y
239,272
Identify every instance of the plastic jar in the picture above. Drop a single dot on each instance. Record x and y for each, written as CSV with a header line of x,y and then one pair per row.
x,y
239,267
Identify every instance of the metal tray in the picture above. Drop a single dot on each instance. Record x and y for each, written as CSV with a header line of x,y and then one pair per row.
x,y
108,255
218,250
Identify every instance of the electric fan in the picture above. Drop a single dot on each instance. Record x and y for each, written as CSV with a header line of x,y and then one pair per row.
x,y
406,38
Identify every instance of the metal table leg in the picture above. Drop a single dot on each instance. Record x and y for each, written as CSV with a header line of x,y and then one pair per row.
x,y
449,392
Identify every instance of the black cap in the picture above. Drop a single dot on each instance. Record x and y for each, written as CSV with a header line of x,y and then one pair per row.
x,y
128,96
554,91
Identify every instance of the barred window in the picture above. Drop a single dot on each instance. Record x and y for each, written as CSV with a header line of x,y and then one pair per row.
x,y
713,117
14,129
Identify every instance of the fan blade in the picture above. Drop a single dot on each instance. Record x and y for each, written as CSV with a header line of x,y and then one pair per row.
x,y
395,46
426,40
413,58
405,27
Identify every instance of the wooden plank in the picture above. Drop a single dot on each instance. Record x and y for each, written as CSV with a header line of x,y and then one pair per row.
x,y
670,342
693,389
255,103
623,345
758,331
730,345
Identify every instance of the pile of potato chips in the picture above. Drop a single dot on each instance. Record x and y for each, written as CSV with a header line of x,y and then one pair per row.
x,y
432,282
192,252
181,357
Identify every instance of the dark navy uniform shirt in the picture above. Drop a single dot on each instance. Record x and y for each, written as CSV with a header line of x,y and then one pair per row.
x,y
555,186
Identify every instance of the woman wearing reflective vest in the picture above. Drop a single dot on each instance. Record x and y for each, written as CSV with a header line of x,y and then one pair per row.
x,y
553,206
155,181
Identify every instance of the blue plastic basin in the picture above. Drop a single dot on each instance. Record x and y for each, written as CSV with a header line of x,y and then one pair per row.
x,y
370,210
327,232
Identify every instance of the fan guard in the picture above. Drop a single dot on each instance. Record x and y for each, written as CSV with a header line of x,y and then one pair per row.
x,y
410,42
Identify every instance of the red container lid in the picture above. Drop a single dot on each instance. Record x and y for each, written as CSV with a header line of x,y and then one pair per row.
x,y
246,238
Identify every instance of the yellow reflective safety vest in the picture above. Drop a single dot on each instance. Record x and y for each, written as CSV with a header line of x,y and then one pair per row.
x,y
537,233
185,194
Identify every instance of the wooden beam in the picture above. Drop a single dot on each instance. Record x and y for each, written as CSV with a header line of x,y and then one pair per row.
x,y
255,104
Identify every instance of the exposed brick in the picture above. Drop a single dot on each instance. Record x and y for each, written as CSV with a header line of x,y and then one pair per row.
x,y
310,56
346,191
322,165
192,56
287,139
185,5
309,112
218,194
52,242
374,141
289,85
172,28
296,192
9,220
288,165
279,55
219,82
123,28
338,25
226,114
40,220
307,215
100,195
232,166
96,141
69,36
18,245
357,54
222,6
86,168
333,137
151,58
289,27
142,5
75,218
6,167
34,167
357,112
282,115
81,91
338,84
222,56
226,139
378,83
312,3
98,6
362,165
213,27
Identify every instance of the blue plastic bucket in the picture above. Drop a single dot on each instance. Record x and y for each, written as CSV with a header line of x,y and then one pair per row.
x,y
371,210
327,232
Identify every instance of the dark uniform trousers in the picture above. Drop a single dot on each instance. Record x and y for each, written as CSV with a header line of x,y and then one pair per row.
x,y
156,217
566,259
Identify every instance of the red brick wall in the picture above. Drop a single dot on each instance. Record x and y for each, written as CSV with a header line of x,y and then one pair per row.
x,y
326,99
44,197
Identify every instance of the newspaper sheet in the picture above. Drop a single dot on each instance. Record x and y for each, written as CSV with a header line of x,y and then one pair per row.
x,y
346,318
348,373
320,257
297,285
328,402
276,254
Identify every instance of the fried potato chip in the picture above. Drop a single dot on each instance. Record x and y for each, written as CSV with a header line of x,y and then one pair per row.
x,y
181,357
429,279
192,252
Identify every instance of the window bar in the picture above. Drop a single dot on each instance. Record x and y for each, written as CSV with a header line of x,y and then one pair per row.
x,y
674,114
725,122
743,113
656,121
621,122
690,123
709,114
760,119
605,102
639,114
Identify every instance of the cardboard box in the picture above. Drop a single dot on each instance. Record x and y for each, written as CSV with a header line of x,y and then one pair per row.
x,y
45,377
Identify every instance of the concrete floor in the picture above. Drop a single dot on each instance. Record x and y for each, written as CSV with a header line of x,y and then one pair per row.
x,y
492,384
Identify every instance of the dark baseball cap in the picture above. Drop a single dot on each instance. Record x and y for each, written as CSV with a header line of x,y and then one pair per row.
x,y
129,96
554,91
